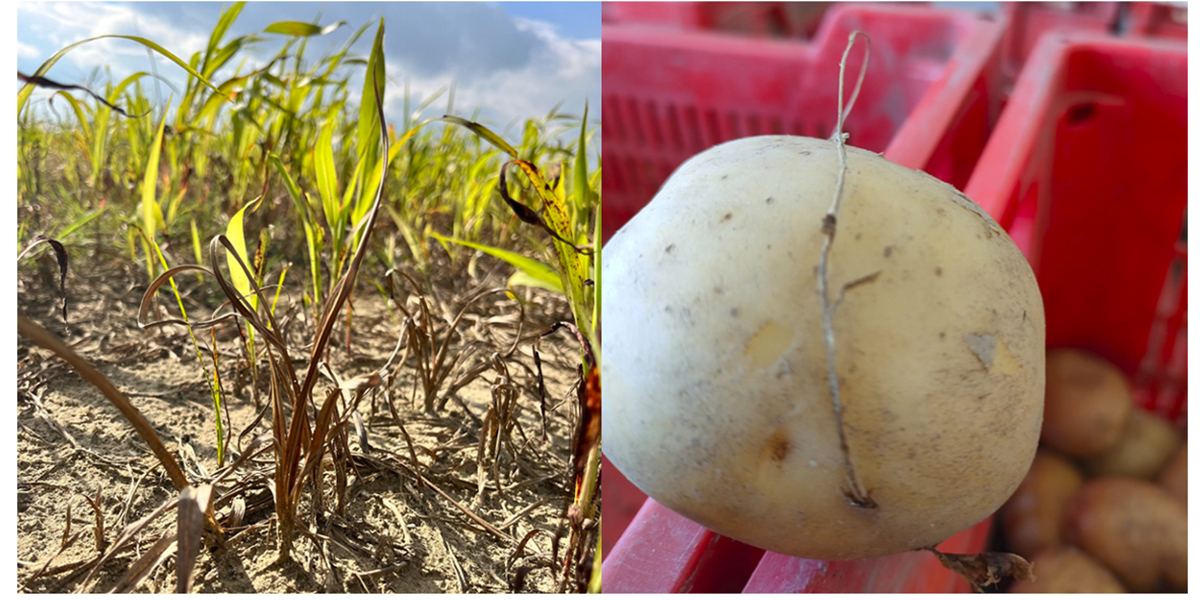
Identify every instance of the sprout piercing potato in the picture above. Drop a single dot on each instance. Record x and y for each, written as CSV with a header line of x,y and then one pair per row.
x,y
717,398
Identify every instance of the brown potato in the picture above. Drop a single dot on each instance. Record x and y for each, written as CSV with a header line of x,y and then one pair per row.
x,y
1147,443
1174,476
1088,401
1133,527
1068,570
1033,516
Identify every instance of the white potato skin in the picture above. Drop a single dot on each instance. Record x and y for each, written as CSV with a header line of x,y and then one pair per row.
x,y
716,397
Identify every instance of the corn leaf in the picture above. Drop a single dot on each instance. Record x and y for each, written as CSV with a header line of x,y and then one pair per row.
x,y
79,223
236,234
521,278
151,212
534,269
326,174
299,29
368,118
27,89
484,133
583,193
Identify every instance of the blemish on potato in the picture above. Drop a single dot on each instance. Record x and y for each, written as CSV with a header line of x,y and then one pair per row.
x,y
670,248
984,347
768,344
1003,362
887,251
778,446
727,217
993,353
770,200
735,312
938,271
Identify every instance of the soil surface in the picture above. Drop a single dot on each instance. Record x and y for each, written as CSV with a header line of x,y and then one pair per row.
x,y
84,474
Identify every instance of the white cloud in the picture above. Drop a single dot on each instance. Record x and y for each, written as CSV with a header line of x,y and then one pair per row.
x,y
558,70
510,68
63,23
27,51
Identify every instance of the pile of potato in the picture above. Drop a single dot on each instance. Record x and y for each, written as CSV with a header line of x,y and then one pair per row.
x,y
1104,506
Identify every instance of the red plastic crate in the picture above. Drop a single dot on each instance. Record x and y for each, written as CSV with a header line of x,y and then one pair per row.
x,y
1158,19
929,99
1027,21
1087,170
766,19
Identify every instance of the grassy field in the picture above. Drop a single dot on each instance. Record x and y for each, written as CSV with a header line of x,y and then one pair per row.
x,y
271,341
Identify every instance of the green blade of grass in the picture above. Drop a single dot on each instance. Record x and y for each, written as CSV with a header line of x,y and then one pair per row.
x,y
80,222
327,175
596,295
213,379
595,583
80,112
151,211
227,18
521,278
236,233
536,270
583,193
299,29
368,119
484,133
27,90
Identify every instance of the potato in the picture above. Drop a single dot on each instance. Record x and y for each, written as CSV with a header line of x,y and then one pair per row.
x,y
1135,528
1068,570
1145,446
1087,403
717,398
1174,476
1033,517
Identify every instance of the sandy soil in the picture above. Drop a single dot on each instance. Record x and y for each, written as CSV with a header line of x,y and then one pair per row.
x,y
84,474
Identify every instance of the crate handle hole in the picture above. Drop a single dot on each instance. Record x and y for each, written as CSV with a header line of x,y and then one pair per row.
x,y
1081,114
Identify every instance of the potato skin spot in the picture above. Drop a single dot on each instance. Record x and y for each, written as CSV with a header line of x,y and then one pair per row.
x,y
768,344
778,446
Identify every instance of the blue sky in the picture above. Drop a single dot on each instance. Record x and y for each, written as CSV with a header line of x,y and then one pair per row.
x,y
511,60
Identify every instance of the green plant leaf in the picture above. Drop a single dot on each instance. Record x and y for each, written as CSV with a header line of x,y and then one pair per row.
x,y
527,280
79,223
236,234
151,212
484,133
299,29
27,89
227,18
327,174
596,295
582,191
80,112
534,269
368,118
